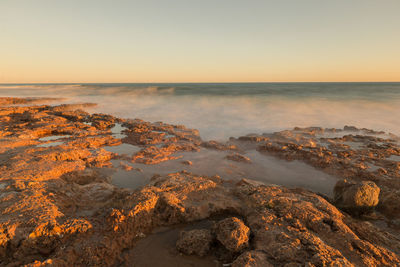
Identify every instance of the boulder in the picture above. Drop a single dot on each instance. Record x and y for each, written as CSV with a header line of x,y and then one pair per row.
x,y
360,196
239,158
195,242
233,234
252,258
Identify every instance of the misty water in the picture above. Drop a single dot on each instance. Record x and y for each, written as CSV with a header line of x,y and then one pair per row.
x,y
263,168
220,111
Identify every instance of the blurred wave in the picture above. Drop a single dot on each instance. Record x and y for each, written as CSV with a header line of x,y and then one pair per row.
x,y
223,110
79,90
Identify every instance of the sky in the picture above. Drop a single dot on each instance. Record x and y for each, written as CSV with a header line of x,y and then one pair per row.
x,y
77,41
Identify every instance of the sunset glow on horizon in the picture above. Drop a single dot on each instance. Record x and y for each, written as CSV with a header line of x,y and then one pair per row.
x,y
188,41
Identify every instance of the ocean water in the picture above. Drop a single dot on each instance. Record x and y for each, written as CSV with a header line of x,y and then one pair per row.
x,y
222,110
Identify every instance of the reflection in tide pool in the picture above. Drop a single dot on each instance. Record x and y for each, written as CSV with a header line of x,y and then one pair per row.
x,y
50,144
48,141
53,137
131,179
116,131
124,148
208,162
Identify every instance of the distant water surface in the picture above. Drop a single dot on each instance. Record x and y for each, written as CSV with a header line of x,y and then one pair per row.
x,y
221,110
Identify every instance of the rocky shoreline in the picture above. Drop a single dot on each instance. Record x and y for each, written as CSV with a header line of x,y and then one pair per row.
x,y
59,206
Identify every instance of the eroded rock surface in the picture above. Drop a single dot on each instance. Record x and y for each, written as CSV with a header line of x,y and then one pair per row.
x,y
252,258
362,195
238,157
58,207
195,242
233,234
288,225
350,153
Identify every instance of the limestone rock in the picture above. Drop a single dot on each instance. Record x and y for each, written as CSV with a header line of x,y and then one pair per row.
x,y
56,211
195,242
233,234
356,195
389,204
187,162
238,157
252,258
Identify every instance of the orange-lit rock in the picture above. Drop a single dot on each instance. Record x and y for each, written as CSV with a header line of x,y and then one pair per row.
x,y
58,207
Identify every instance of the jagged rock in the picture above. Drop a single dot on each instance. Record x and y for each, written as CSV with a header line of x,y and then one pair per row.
x,y
195,242
54,211
252,258
239,158
233,234
389,204
218,146
352,153
253,138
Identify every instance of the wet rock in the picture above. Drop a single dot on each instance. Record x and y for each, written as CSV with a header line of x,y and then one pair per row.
x,y
253,138
139,132
365,155
350,128
98,191
356,195
233,234
102,121
28,100
68,107
239,158
390,204
125,166
195,242
252,258
84,177
154,155
56,208
218,146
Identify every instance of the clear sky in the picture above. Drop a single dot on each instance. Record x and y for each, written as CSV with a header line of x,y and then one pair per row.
x,y
199,41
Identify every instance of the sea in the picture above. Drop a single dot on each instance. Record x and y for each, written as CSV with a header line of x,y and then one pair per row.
x,y
223,110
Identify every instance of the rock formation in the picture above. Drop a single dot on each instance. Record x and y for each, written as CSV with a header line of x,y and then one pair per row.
x,y
59,208
362,195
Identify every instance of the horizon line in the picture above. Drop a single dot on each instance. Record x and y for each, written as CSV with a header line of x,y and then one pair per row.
x,y
11,83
